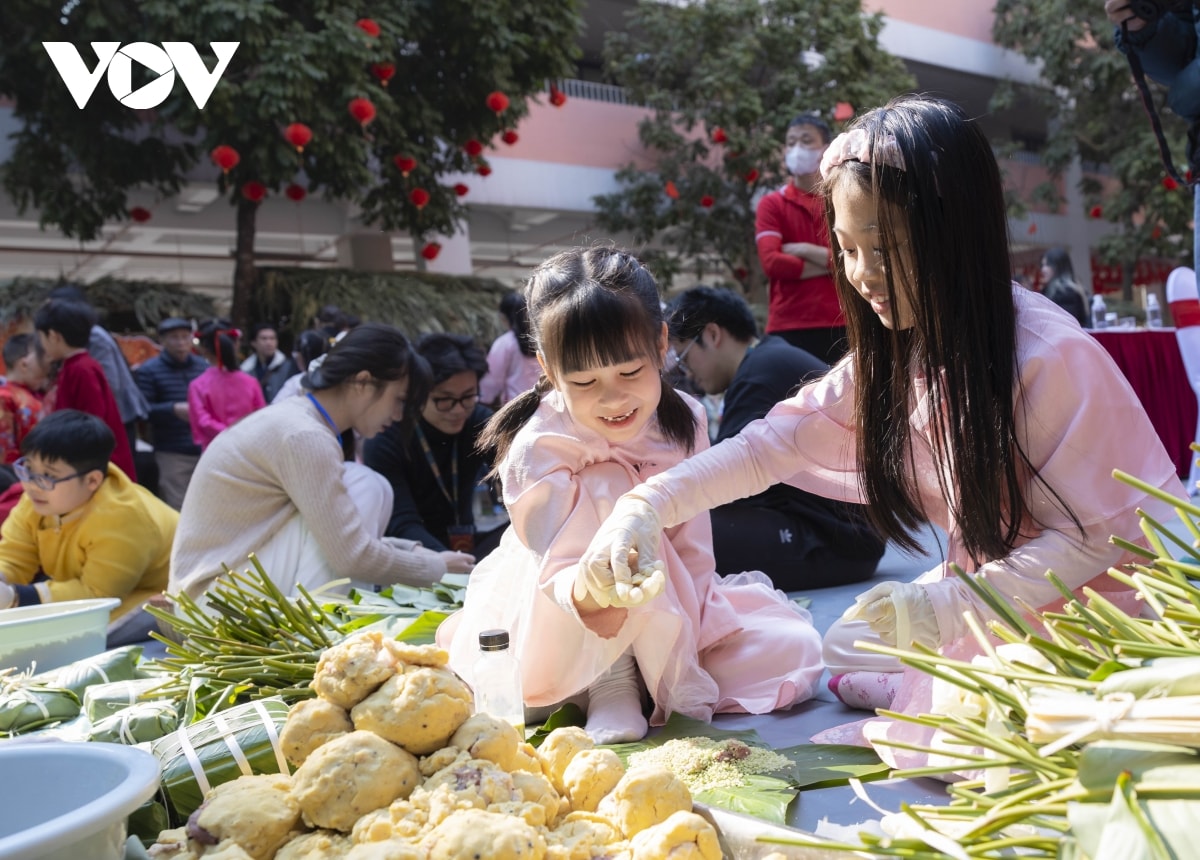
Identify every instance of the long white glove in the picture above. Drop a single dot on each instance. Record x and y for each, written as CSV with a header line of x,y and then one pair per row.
x,y
8,595
900,612
621,566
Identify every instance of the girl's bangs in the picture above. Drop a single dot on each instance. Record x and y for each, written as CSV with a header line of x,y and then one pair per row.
x,y
598,329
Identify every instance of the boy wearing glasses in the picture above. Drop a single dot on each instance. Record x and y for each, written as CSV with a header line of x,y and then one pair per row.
x,y
83,529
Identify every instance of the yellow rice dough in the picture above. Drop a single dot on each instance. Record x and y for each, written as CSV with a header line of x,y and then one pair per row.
x,y
418,708
472,833
256,812
683,836
350,776
645,796
311,723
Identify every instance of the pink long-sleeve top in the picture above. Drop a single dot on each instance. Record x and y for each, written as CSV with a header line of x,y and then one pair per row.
x,y
560,482
1081,421
510,371
218,399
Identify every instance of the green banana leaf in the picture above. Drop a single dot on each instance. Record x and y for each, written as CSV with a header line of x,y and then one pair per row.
x,y
421,631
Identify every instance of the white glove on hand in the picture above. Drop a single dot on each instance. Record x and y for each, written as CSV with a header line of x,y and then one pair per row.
x,y
900,612
8,595
628,537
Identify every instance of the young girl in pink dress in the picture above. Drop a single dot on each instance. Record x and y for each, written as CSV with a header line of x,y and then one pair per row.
x,y
965,401
600,421
223,394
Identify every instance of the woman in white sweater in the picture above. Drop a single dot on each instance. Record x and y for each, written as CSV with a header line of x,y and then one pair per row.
x,y
276,484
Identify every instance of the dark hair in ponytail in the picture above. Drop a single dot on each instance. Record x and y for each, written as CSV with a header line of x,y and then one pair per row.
x,y
592,307
513,307
385,354
219,337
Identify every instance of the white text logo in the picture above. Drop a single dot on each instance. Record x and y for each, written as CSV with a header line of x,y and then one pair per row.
x,y
163,61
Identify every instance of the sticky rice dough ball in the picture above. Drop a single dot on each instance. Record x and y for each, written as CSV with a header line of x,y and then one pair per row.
x,y
477,781
349,671
590,775
485,736
311,723
583,835
471,833
256,812
390,849
318,845
351,776
645,796
419,708
683,836
557,750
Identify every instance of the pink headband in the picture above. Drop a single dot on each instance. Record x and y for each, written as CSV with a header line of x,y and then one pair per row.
x,y
856,146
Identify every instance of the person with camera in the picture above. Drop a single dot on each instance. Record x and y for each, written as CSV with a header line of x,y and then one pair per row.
x,y
1163,36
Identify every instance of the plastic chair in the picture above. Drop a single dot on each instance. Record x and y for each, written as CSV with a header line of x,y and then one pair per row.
x,y
1182,297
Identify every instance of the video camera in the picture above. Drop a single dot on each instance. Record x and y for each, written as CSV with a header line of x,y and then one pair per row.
x,y
1151,10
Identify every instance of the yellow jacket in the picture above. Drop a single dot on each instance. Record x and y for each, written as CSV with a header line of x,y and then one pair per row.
x,y
116,545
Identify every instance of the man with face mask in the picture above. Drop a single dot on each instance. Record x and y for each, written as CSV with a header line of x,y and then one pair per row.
x,y
793,246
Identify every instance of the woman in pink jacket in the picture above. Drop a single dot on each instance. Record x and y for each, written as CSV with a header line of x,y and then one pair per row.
x,y
222,395
965,401
602,419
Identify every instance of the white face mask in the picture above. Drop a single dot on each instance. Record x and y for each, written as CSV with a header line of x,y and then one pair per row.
x,y
801,160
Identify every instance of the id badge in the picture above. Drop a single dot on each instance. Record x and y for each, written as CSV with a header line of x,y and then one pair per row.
x,y
462,538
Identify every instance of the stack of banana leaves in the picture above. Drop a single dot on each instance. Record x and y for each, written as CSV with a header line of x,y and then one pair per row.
x,y
1083,730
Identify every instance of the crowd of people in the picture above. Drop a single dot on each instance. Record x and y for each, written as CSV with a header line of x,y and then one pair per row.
x,y
902,378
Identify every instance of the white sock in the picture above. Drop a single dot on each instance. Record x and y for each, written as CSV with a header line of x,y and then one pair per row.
x,y
614,713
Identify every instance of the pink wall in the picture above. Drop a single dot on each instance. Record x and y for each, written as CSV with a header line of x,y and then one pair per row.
x,y
581,132
969,18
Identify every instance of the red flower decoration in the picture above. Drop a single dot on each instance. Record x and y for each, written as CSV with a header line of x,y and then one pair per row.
x,y
509,137
368,26
707,201
383,72
254,191
1032,229
295,192
740,273
473,148
751,175
431,250
225,157
718,135
419,197
557,97
1188,177
298,135
484,170
404,164
497,102
460,189
1169,183
1156,233
671,190
842,111
362,110
140,214
1095,212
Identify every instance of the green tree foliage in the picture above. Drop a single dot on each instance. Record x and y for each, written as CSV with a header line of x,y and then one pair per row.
x,y
299,61
1095,112
744,67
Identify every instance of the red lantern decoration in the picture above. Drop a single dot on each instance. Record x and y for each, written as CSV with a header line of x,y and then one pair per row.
x,y
431,250
1156,233
751,175
557,97
509,137
1095,212
671,190
484,170
298,135
842,111
419,197
404,164
460,189
1169,183
254,191
707,201
1032,229
368,26
718,135
741,273
383,72
295,192
362,110
225,157
497,102
473,148
139,214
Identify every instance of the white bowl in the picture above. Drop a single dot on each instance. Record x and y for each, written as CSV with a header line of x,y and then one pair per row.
x,y
54,634
71,801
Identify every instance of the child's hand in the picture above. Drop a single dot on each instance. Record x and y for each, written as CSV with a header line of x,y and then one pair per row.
x,y
625,545
900,612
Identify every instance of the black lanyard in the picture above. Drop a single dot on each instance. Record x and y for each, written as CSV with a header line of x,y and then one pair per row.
x,y
451,494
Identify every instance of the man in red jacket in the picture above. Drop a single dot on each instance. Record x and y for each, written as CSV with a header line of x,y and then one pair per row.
x,y
793,246
63,328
